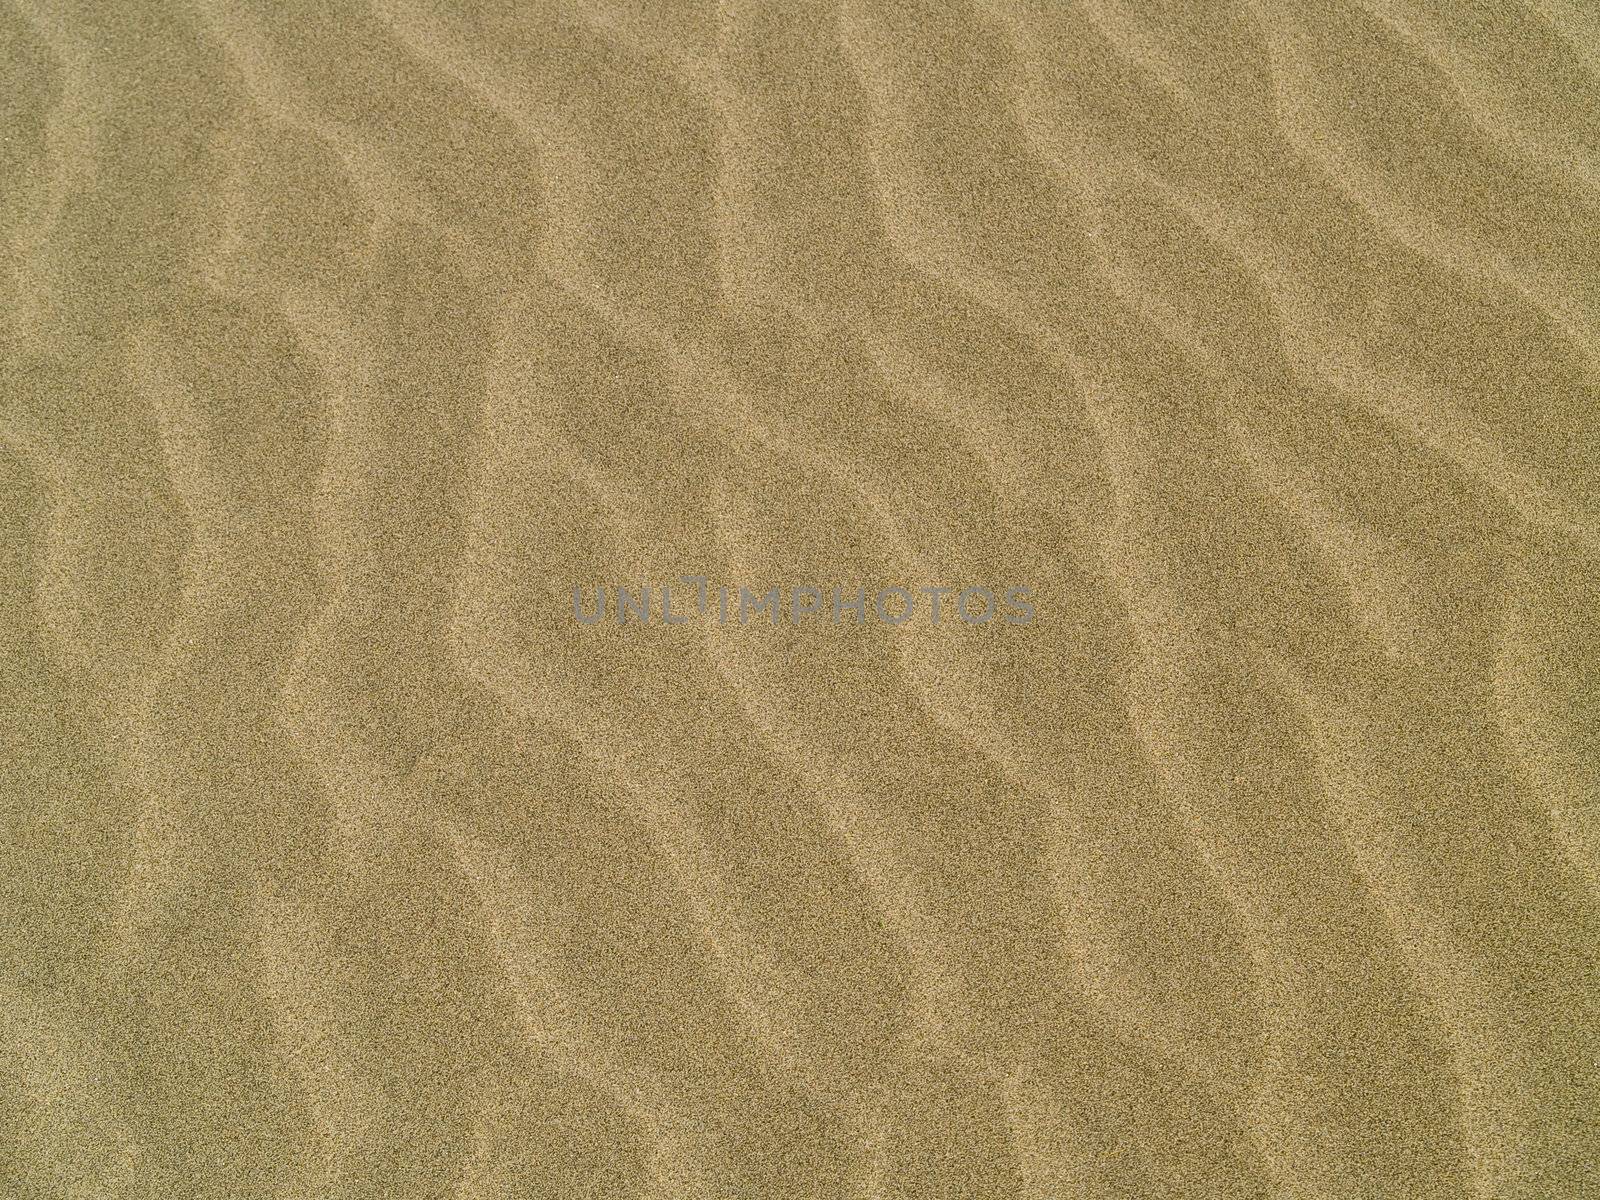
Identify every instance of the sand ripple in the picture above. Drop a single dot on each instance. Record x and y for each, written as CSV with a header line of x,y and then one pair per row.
x,y
1262,339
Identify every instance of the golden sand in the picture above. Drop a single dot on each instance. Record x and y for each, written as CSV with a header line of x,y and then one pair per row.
x,y
342,341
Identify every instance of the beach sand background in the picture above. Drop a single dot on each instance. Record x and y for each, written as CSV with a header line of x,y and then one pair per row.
x,y
341,341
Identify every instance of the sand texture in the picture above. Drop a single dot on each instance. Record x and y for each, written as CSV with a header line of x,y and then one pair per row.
x,y
342,340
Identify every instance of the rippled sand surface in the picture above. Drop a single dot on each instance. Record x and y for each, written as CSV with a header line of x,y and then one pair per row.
x,y
341,341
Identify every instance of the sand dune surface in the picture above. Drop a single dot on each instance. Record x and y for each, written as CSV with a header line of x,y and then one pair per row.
x,y
1258,341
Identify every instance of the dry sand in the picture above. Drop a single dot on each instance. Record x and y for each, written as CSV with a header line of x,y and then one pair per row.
x,y
1260,339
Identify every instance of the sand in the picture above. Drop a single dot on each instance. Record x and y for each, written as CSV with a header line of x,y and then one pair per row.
x,y
1260,340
